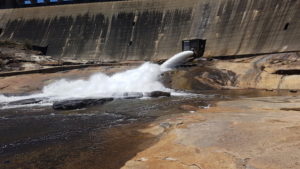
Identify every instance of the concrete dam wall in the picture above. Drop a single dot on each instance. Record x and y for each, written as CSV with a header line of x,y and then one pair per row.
x,y
154,29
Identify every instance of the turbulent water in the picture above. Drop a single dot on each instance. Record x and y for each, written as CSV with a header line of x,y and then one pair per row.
x,y
142,79
145,78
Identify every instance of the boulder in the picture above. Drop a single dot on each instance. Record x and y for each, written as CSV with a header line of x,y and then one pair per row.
x,y
79,104
158,94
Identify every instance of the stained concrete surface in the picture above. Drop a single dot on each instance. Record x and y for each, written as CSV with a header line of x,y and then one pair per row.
x,y
149,30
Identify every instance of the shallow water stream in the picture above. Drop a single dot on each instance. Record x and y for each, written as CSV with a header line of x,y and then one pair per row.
x,y
97,137
103,136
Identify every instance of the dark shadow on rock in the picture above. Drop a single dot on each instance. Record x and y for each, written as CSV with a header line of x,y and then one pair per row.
x,y
290,109
287,72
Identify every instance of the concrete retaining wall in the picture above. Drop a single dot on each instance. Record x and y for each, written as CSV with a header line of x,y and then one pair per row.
x,y
153,29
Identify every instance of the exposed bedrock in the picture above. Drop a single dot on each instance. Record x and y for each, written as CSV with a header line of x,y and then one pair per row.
x,y
151,30
247,133
273,71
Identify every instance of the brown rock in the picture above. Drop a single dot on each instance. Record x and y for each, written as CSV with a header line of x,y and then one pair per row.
x,y
270,71
244,133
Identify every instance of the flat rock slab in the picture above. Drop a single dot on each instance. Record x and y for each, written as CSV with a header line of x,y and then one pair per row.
x,y
79,104
258,132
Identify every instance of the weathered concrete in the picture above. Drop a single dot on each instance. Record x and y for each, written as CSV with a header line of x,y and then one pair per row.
x,y
149,30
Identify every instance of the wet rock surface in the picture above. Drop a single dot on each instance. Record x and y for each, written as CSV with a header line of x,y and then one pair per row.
x,y
83,103
79,104
158,94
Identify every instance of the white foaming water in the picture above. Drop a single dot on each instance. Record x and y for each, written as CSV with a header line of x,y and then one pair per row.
x,y
142,79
